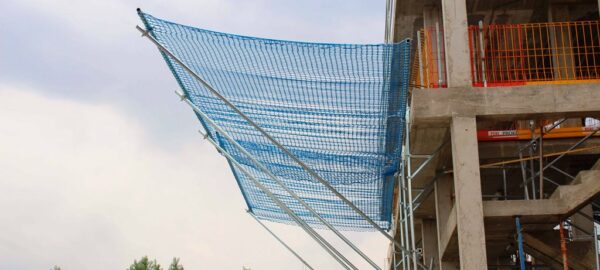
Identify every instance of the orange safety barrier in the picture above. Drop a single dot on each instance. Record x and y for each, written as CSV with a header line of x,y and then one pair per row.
x,y
525,134
535,53
429,64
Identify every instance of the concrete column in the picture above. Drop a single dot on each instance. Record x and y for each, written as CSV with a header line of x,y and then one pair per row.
x,y
456,40
443,191
429,239
467,189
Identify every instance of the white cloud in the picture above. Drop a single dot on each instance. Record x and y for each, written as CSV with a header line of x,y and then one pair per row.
x,y
337,21
83,187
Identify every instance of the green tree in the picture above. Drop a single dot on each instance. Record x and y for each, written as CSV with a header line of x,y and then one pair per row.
x,y
144,264
175,265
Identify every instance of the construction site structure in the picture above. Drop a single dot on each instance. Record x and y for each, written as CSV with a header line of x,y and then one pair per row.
x,y
503,146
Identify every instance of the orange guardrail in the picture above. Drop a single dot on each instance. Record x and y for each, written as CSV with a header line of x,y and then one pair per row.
x,y
535,53
564,130
525,134
429,64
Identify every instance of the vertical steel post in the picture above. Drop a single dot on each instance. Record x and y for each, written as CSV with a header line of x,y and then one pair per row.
x,y
420,55
531,165
541,154
439,53
482,54
472,49
596,249
409,187
393,260
279,239
504,184
520,243
401,215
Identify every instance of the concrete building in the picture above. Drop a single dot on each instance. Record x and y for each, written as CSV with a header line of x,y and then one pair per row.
x,y
489,77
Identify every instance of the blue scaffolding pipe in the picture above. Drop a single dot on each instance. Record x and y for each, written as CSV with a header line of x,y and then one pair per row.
x,y
520,243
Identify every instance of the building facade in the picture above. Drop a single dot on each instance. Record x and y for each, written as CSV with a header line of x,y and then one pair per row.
x,y
503,161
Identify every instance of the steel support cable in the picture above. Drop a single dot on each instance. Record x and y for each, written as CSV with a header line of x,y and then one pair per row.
x,y
279,239
270,174
310,231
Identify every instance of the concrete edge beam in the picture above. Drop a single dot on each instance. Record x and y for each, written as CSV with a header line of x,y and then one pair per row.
x,y
437,106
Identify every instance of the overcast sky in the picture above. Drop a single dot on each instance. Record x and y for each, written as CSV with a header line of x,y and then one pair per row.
x,y
99,161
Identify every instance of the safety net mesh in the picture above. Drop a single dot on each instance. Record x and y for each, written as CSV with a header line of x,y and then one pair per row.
x,y
340,108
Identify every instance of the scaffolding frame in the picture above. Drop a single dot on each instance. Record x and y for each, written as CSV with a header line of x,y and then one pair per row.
x,y
406,204
530,173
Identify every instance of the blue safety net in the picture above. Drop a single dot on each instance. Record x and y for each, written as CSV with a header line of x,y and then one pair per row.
x,y
340,108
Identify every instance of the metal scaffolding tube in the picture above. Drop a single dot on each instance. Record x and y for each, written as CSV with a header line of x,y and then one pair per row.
x,y
531,165
400,216
520,243
310,171
438,49
408,169
524,175
562,172
532,172
578,143
504,184
309,230
429,159
541,154
420,55
596,249
272,176
482,54
279,239
547,130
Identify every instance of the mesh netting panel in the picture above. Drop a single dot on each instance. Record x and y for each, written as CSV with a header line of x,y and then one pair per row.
x,y
338,107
